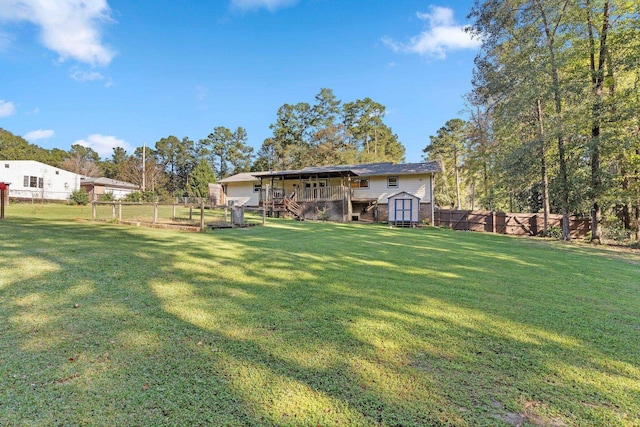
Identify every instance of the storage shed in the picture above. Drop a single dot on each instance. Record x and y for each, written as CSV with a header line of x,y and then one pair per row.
x,y
404,209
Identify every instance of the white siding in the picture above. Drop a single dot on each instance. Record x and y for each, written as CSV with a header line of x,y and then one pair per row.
x,y
416,185
58,184
118,193
242,193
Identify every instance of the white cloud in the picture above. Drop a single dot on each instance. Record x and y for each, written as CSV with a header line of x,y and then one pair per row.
x,y
85,76
103,144
257,4
35,135
82,76
442,35
69,27
6,108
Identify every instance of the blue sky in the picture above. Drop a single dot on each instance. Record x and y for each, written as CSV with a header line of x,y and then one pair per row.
x,y
107,73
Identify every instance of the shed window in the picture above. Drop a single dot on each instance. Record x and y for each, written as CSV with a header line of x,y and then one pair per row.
x,y
392,182
360,183
6,165
257,187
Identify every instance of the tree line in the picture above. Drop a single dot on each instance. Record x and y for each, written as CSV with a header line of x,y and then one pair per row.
x,y
554,115
323,133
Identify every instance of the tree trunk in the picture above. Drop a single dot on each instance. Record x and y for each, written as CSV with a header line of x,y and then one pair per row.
x,y
455,165
564,183
545,176
597,81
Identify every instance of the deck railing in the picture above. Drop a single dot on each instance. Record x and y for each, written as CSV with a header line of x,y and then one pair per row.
x,y
337,192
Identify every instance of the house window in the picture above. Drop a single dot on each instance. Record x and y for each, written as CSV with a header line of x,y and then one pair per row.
x,y
57,172
33,182
257,187
360,183
6,165
392,182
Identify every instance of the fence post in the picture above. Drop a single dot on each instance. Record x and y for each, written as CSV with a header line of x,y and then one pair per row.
x,y
120,211
202,216
155,212
264,215
493,221
190,212
174,212
93,211
113,210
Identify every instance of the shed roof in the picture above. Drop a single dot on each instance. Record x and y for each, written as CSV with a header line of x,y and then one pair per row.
x,y
403,194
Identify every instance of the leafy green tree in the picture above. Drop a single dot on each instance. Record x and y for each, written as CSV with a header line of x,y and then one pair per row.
x,y
177,157
14,147
329,133
448,148
111,167
200,178
239,153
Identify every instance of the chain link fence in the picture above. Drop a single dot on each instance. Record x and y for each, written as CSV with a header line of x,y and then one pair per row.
x,y
194,217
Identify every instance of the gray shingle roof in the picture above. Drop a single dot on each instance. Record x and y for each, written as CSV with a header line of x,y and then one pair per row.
x,y
367,169
240,177
108,182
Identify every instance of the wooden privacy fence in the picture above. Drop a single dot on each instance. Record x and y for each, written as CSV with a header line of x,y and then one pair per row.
x,y
519,224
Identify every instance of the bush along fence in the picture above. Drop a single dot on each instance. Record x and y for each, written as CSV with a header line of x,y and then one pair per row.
x,y
188,217
519,224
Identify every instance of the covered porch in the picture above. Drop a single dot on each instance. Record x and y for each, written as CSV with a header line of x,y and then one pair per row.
x,y
310,195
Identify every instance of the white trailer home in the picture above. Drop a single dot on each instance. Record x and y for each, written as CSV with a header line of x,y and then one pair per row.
x,y
32,180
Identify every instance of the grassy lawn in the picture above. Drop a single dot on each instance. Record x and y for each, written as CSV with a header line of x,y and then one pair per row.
x,y
310,324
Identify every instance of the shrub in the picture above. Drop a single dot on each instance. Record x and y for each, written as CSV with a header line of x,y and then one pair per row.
x,y
107,197
139,196
553,232
613,229
79,197
323,214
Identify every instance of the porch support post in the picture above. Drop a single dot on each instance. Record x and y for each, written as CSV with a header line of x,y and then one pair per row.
x,y
433,219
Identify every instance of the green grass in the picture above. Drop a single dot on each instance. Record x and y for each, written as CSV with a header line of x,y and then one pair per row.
x,y
310,324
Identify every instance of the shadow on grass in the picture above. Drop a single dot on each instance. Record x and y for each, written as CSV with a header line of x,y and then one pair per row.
x,y
310,324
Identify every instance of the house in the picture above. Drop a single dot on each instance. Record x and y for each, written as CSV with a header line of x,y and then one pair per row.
x,y
31,180
98,187
343,193
242,189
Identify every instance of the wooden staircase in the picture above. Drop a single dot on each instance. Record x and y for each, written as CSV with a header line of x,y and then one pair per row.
x,y
293,207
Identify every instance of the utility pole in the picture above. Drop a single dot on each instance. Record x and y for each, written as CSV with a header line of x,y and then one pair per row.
x,y
144,162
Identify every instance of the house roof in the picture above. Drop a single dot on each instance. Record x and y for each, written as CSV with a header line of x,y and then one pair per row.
x,y
366,169
108,182
240,177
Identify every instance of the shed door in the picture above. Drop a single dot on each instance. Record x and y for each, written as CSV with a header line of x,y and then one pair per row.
x,y
403,209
